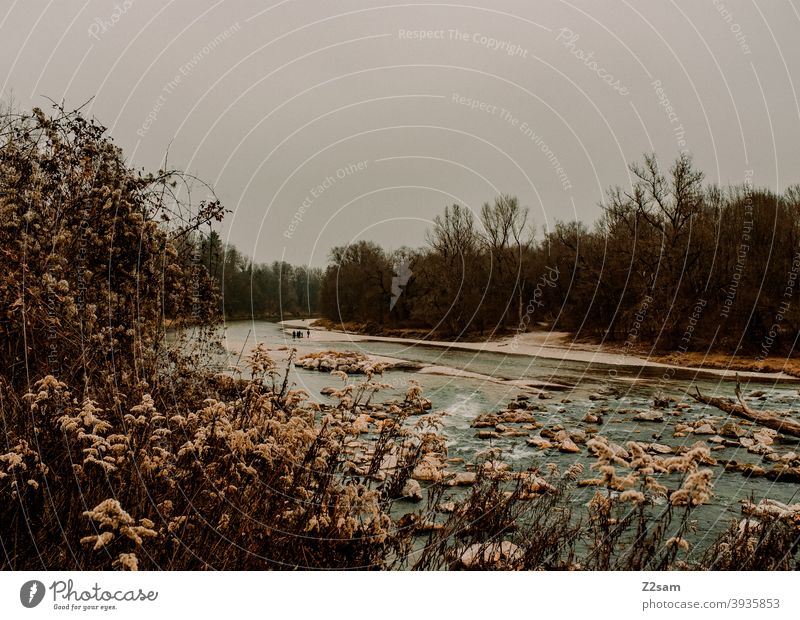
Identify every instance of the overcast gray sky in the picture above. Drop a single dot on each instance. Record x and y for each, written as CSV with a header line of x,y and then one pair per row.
x,y
321,123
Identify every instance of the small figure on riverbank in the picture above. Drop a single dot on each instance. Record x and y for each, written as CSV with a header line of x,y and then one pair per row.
x,y
294,334
308,333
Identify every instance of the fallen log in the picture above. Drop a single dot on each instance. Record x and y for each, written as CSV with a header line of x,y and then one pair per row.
x,y
769,419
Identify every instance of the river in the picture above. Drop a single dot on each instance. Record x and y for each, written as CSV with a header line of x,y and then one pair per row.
x,y
463,398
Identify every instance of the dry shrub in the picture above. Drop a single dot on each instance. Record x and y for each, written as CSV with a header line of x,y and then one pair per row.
x,y
257,479
93,255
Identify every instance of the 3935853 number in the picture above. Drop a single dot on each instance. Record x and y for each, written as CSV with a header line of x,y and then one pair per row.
x,y
755,603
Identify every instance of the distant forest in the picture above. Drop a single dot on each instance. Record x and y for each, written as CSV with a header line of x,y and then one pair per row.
x,y
672,262
273,290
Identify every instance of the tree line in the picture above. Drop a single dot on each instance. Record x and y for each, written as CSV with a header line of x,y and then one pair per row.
x,y
255,290
672,262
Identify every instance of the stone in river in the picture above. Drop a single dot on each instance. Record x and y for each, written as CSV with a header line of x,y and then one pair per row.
x,y
463,478
427,525
649,416
661,400
428,469
751,469
412,491
733,466
578,436
784,473
493,555
618,450
560,436
539,442
361,424
513,433
731,429
488,435
704,429
533,485
517,417
484,420
764,436
568,446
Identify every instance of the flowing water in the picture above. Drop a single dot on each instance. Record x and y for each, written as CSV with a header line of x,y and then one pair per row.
x,y
463,398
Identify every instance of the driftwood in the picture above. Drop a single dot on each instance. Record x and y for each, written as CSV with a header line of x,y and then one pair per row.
x,y
770,419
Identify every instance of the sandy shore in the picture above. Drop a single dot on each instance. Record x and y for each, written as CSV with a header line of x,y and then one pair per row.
x,y
550,345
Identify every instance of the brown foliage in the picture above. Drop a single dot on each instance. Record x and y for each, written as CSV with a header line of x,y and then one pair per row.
x,y
88,270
